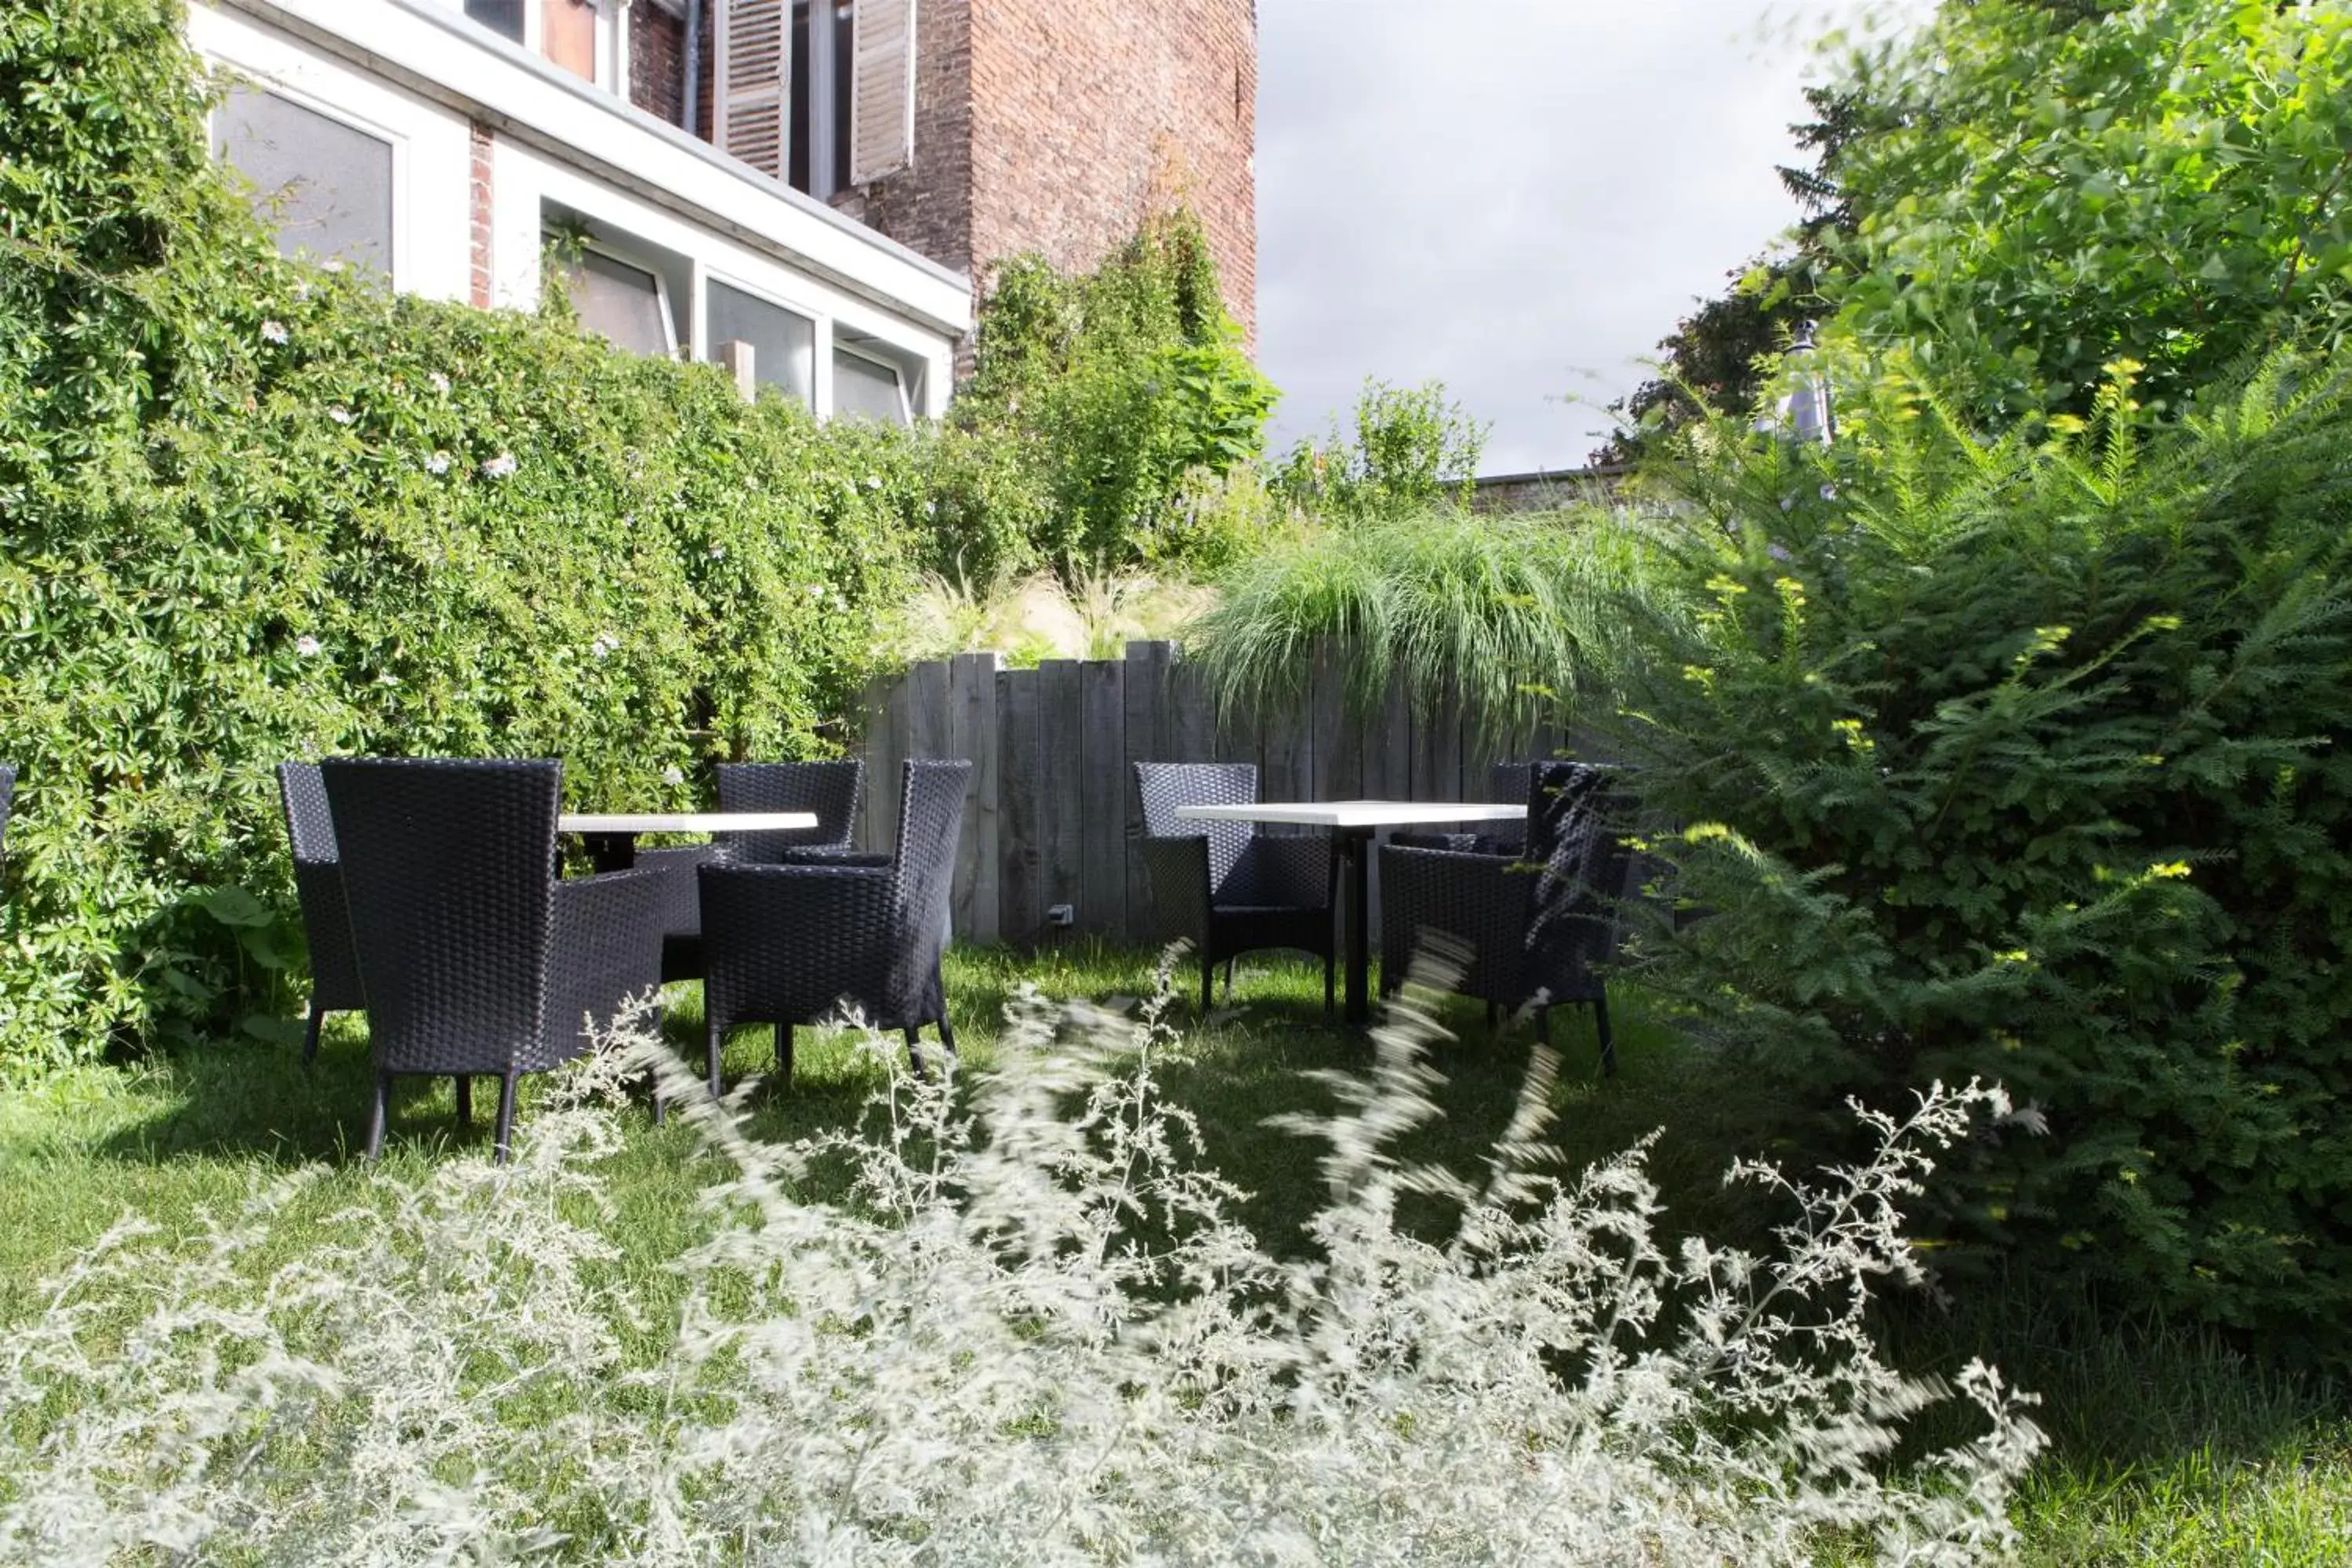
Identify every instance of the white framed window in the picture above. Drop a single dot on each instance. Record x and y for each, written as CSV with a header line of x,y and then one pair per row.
x,y
869,384
623,302
783,340
329,187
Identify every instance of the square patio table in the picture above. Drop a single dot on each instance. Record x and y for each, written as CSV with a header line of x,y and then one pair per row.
x,y
1352,823
612,836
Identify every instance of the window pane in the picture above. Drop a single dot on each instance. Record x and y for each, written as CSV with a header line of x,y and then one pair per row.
x,y
866,389
783,347
326,186
503,17
620,303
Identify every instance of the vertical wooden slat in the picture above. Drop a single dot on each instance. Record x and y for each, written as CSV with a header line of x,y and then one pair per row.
x,y
1062,728
1192,725
1021,905
1288,772
1338,759
929,733
882,777
1437,751
1103,787
972,734
1146,702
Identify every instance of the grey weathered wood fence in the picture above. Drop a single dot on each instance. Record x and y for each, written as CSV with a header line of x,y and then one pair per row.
x,y
1054,814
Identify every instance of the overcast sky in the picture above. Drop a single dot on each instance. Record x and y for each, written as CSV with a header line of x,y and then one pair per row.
x,y
1516,197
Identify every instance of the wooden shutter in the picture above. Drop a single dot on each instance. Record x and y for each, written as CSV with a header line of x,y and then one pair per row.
x,y
750,115
882,91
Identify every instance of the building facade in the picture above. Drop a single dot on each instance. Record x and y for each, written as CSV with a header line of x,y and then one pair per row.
x,y
805,189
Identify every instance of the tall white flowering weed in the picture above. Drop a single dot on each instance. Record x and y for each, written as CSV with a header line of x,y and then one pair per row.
x,y
1023,1325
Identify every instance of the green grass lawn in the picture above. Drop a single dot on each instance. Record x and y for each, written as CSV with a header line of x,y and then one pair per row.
x,y
2168,1447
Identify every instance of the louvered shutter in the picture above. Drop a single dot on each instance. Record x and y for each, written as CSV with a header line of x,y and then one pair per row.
x,y
882,102
750,107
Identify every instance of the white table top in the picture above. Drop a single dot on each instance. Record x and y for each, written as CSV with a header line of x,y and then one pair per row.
x,y
1358,813
683,821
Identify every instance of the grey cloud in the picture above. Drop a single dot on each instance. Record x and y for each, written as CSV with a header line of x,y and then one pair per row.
x,y
1517,197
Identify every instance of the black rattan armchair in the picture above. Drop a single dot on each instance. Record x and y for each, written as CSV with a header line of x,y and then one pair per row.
x,y
1225,885
1504,781
473,958
800,941
319,887
1540,927
833,790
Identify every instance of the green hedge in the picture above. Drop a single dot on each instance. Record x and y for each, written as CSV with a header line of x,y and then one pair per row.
x,y
2031,759
254,511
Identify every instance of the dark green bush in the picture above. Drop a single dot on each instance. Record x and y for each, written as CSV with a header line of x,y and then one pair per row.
x,y
2027,760
256,511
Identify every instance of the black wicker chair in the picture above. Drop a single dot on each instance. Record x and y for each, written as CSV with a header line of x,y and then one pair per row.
x,y
1504,781
797,942
474,959
1225,885
833,790
1538,926
319,887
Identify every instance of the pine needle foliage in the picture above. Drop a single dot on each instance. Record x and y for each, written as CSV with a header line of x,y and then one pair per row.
x,y
2028,758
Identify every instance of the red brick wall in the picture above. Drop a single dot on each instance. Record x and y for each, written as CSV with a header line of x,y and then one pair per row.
x,y
1084,116
1056,125
478,217
657,61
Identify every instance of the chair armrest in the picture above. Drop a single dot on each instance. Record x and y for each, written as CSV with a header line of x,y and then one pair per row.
x,y
1178,871
605,948
1462,843
681,912
829,855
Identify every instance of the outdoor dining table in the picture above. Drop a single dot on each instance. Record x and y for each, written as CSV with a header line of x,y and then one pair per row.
x,y
610,837
1352,823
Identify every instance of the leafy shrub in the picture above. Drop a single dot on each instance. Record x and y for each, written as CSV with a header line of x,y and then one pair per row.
x,y
2028,757
1118,390
1410,451
259,510
1034,1331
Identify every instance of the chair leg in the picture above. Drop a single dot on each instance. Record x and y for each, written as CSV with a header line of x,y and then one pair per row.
x,y
714,1033
784,1054
311,1035
506,1116
1543,1025
1608,1045
465,1100
946,1033
376,1114
1208,984
914,1049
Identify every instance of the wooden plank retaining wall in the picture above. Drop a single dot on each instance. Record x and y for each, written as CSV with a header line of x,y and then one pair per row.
x,y
1053,813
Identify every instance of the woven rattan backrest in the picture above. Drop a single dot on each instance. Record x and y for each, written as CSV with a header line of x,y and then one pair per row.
x,y
1165,786
833,790
1575,829
930,819
1510,781
310,825
448,875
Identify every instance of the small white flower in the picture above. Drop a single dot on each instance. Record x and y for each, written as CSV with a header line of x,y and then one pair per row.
x,y
440,384
931,509
719,552
302,292
499,466
605,645
873,481
273,332
334,265
673,775
438,463
816,590
387,679
340,414
306,645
